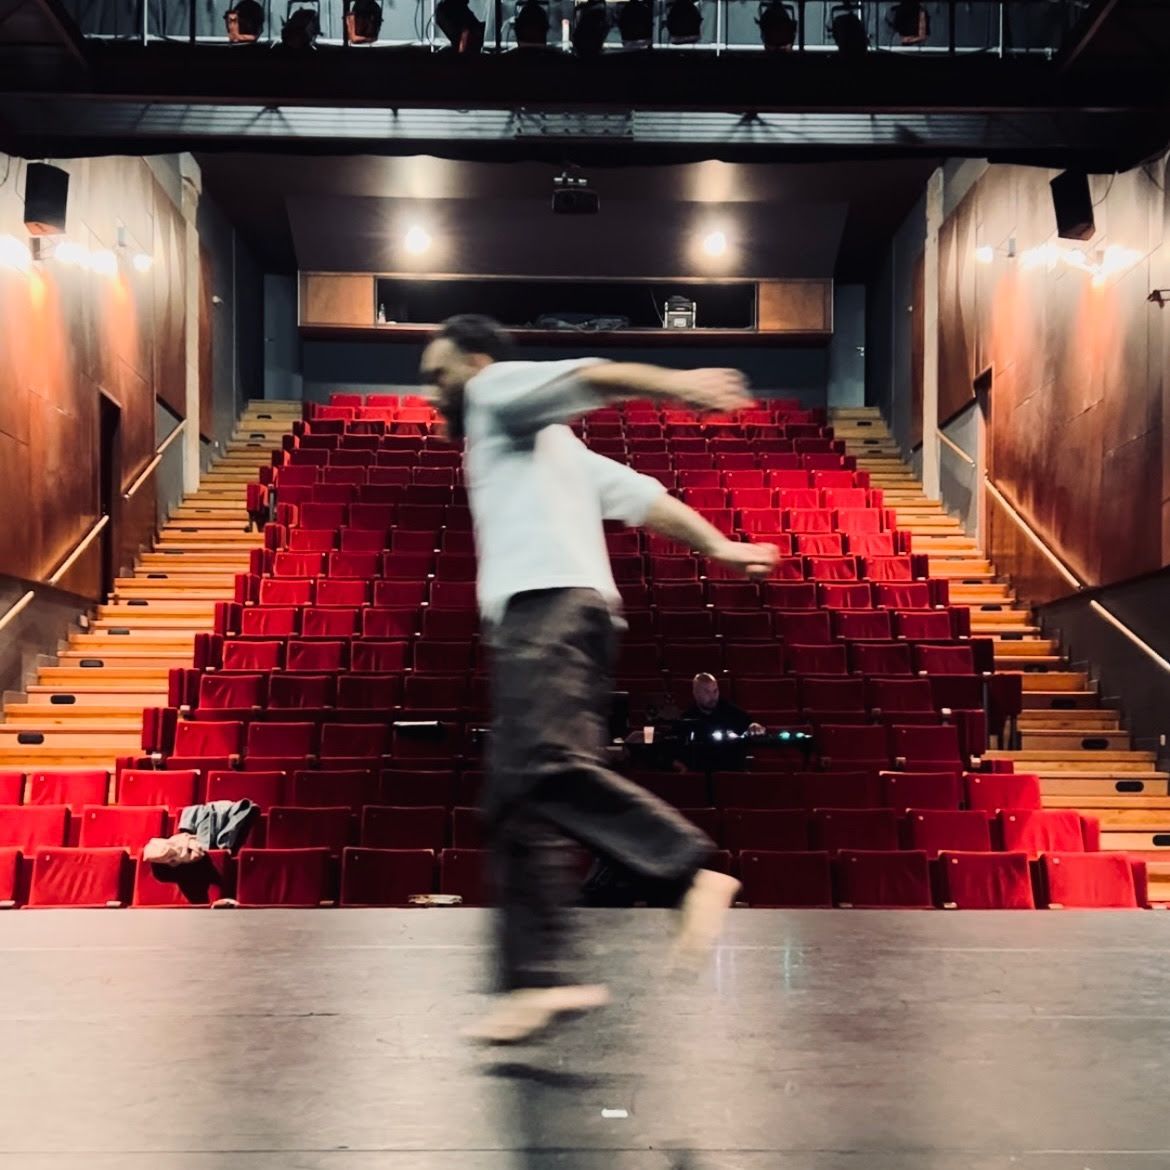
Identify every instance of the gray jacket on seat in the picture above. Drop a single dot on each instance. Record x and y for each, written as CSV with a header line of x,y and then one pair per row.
x,y
222,824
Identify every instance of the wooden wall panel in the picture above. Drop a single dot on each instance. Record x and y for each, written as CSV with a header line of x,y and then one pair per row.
x,y
957,307
1077,427
795,306
917,347
69,335
170,275
334,298
206,363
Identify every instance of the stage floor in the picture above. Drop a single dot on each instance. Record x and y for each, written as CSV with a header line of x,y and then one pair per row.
x,y
833,1040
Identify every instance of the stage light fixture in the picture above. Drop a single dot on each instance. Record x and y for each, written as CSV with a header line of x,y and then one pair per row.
x,y
460,26
572,195
531,25
590,28
244,21
363,21
636,24
302,26
778,26
715,243
911,22
684,22
14,254
417,240
848,30
104,262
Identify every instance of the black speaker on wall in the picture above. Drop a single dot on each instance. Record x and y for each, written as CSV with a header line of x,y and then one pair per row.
x,y
46,194
1073,205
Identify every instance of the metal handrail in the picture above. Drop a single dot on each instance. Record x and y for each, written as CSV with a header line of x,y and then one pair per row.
x,y
1072,578
158,454
1056,562
17,607
86,541
956,448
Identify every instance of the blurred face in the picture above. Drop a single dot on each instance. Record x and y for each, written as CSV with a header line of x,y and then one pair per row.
x,y
706,692
445,371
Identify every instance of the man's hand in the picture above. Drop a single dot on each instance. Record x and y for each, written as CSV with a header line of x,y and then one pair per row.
x,y
709,389
754,561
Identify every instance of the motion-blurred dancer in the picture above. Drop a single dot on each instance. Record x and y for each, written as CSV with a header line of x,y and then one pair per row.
x,y
549,605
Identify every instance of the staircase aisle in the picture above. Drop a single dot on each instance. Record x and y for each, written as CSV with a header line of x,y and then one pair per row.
x,y
85,708
1074,744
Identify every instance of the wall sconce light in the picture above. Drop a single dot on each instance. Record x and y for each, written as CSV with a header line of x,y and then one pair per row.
x,y
1159,297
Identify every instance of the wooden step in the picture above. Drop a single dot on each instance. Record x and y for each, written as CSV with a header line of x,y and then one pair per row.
x,y
1055,680
43,715
1118,808
33,758
1090,742
1056,760
134,642
1001,616
1053,700
116,740
1093,719
1153,838
73,675
107,696
1088,784
190,615
125,660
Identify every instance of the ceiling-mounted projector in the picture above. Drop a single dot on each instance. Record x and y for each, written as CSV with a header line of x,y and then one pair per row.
x,y
573,196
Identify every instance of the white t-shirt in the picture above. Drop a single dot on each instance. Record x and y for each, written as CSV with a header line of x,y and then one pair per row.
x,y
538,495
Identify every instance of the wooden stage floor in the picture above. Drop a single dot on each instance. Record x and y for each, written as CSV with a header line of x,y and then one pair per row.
x,y
834,1040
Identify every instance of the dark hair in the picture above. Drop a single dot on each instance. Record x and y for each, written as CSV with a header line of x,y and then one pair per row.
x,y
472,333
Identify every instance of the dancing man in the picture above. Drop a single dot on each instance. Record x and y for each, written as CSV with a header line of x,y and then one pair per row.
x,y
550,607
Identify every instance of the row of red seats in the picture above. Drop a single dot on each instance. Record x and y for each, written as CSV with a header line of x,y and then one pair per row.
x,y
905,595
175,789
383,877
334,825
807,627
627,570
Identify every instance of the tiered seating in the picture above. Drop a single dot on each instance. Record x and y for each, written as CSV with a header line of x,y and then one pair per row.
x,y
343,688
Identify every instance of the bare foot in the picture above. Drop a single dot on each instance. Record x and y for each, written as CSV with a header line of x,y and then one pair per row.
x,y
702,911
526,1012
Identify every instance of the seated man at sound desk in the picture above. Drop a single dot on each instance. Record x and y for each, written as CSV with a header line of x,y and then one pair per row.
x,y
712,717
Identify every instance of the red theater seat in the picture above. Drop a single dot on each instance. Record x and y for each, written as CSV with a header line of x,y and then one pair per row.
x,y
352,788
992,791
767,829
281,741
423,827
842,744
838,790
791,595
75,789
283,877
263,789
385,877
124,827
938,830
1089,880
11,787
944,660
755,790
198,884
424,788
874,829
257,657
985,881
266,621
879,878
867,625
32,827
369,692
330,622
801,879
806,660
924,625
922,747
754,659
1034,832
933,790
375,656
285,593
880,658
804,628
171,790
10,870
464,872
340,591
316,657
239,692
310,828
291,692
78,877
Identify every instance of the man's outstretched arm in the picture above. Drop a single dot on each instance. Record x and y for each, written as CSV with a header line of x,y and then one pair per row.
x,y
671,518
526,397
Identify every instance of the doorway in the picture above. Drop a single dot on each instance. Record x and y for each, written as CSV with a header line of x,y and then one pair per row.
x,y
110,485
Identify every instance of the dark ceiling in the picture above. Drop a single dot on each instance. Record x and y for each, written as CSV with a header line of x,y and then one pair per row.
x,y
351,213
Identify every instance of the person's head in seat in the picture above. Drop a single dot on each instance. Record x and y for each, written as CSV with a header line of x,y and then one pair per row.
x,y
705,689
